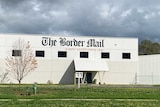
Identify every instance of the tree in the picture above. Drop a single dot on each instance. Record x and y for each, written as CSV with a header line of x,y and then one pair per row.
x,y
4,77
22,62
146,47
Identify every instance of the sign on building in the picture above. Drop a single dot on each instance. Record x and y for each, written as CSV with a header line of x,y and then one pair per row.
x,y
79,74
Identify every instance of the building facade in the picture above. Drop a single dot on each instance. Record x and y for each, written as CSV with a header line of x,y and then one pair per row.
x,y
149,69
105,60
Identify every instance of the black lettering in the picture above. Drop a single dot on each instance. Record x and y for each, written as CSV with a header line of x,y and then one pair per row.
x,y
48,41
45,41
62,41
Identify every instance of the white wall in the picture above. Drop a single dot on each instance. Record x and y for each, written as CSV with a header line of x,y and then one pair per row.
x,y
61,70
149,69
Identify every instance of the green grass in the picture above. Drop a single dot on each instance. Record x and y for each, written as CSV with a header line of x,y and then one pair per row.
x,y
116,96
85,92
112,103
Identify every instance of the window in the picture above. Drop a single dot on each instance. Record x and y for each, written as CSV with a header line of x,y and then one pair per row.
x,y
104,55
126,55
83,54
62,54
40,53
16,52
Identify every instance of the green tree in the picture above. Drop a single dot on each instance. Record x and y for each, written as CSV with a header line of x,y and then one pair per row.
x,y
155,48
146,47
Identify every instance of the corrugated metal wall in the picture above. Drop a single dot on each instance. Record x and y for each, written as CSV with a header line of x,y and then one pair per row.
x,y
149,69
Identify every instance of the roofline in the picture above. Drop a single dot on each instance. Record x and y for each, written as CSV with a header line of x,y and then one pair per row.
x,y
85,36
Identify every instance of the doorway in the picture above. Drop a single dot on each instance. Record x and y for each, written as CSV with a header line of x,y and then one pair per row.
x,y
89,77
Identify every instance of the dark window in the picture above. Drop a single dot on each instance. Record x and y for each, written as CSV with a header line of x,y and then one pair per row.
x,y
83,54
40,54
62,54
104,55
16,52
126,55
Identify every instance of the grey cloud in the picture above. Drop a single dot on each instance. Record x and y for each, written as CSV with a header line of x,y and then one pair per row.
x,y
135,18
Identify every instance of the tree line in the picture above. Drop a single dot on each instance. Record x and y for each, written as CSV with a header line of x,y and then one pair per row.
x,y
147,47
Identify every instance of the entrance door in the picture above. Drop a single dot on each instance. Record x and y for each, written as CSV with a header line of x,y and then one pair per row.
x,y
89,77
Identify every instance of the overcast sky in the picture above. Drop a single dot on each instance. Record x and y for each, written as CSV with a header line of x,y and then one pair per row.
x,y
129,18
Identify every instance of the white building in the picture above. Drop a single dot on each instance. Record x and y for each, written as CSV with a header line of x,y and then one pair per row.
x,y
109,60
149,69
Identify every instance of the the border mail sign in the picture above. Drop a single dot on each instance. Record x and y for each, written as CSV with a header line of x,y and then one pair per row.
x,y
47,41
79,74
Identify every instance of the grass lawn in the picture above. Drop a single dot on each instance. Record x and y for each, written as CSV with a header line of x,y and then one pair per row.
x,y
111,103
111,96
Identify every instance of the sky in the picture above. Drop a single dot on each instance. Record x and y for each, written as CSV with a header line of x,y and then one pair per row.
x,y
110,18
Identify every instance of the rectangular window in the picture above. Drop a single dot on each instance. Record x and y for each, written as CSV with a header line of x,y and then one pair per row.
x,y
62,54
104,55
16,52
40,53
126,55
83,54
